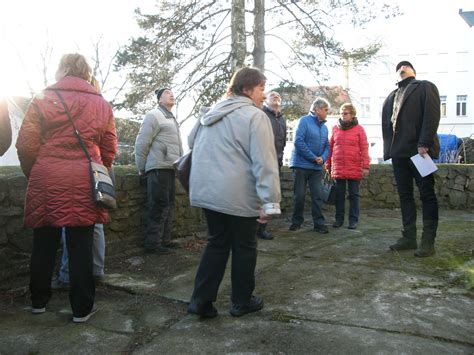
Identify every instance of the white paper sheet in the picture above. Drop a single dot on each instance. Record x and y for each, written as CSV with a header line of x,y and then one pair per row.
x,y
424,165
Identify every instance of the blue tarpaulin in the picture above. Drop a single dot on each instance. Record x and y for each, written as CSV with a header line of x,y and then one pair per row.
x,y
448,149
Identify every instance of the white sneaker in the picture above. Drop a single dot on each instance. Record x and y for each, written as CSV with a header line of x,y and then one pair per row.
x,y
84,319
35,310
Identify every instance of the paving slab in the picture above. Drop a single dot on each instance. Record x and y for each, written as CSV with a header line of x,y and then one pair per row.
x,y
337,293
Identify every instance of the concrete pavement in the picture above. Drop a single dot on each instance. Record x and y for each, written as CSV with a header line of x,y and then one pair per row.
x,y
338,293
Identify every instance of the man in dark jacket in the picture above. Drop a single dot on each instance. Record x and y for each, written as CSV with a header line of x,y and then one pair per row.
x,y
272,108
410,119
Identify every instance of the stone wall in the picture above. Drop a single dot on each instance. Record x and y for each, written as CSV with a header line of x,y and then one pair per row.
x,y
454,187
124,229
454,184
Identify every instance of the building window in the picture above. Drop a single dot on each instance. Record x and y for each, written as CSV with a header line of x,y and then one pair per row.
x,y
462,61
461,103
442,99
442,62
365,106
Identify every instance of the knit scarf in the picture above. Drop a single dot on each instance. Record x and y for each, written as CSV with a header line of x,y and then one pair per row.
x,y
347,125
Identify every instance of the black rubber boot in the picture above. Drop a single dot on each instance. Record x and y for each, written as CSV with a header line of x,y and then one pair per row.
x,y
407,242
427,239
426,247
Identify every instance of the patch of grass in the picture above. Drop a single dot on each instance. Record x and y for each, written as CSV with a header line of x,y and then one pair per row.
x,y
460,265
469,272
283,317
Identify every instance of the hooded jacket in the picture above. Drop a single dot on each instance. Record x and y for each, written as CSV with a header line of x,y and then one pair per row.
x,y
59,187
233,171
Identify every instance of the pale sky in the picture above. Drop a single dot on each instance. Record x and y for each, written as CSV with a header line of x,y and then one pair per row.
x,y
28,26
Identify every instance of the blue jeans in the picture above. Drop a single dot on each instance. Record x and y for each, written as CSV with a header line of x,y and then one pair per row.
x,y
405,172
98,254
354,198
314,180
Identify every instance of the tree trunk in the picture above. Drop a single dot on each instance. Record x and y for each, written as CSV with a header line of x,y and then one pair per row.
x,y
239,47
259,35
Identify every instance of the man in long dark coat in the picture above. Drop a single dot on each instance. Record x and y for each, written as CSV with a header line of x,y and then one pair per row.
x,y
410,119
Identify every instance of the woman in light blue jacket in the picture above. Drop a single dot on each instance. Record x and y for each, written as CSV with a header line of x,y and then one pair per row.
x,y
235,179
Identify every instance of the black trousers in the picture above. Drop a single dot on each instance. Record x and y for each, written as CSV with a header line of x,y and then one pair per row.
x,y
161,186
405,172
354,200
227,233
43,257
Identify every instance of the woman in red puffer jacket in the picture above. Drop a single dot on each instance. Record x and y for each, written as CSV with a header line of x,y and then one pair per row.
x,y
59,188
348,163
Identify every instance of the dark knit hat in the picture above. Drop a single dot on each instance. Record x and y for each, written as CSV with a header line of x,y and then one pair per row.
x,y
404,62
159,92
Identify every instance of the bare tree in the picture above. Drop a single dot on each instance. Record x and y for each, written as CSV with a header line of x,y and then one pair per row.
x,y
103,58
195,45
45,55
239,44
259,34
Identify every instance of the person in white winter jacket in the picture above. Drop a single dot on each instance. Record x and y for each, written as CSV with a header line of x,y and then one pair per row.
x,y
235,179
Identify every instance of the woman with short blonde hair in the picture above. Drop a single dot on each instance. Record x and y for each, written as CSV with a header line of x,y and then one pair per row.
x,y
59,183
348,163
76,65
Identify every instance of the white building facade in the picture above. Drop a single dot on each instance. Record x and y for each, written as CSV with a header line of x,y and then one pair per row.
x,y
440,45
440,53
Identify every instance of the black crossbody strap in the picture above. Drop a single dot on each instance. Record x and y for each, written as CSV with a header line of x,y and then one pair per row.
x,y
76,132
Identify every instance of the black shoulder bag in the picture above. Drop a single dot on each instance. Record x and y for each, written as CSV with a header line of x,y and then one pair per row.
x,y
182,166
328,193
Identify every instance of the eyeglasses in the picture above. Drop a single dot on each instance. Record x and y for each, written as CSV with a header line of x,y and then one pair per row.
x,y
345,113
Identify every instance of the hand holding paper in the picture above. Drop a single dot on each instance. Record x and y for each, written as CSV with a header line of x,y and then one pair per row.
x,y
424,164
422,151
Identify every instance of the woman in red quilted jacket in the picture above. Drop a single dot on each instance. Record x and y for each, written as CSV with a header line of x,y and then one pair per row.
x,y
348,163
59,187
